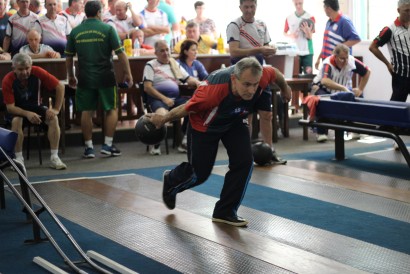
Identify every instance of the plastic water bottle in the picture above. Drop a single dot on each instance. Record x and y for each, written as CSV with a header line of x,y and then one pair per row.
x,y
137,47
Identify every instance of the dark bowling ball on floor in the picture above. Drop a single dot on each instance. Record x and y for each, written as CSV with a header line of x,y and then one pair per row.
x,y
148,133
262,153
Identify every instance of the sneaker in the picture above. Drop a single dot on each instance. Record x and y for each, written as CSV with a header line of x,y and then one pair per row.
x,y
155,151
321,138
89,153
168,197
110,150
182,148
231,220
20,163
276,160
56,163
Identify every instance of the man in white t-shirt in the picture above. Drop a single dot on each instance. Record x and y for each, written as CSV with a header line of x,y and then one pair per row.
x,y
155,23
19,24
299,26
54,28
162,77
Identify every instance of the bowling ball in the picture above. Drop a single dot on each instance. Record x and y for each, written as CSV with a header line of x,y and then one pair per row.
x,y
262,153
147,133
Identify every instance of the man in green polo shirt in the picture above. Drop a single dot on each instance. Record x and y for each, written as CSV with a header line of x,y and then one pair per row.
x,y
93,41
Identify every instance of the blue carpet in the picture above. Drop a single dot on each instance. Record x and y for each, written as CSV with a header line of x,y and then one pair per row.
x,y
16,257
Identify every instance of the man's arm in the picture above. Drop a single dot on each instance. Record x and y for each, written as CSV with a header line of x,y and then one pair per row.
x,y
175,113
6,43
330,84
72,80
285,90
374,48
60,89
32,117
351,43
136,19
126,66
236,51
363,82
153,30
153,92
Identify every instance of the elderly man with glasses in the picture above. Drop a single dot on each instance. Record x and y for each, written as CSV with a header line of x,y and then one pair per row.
x,y
336,75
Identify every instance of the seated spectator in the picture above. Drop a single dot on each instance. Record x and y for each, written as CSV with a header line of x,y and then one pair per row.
x,y
19,24
144,48
336,75
36,50
187,60
161,79
205,42
20,92
206,25
124,24
54,28
155,23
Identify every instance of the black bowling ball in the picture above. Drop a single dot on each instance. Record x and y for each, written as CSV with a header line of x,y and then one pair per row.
x,y
262,153
148,133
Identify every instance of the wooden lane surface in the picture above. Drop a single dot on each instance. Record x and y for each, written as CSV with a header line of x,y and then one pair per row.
x,y
240,239
332,180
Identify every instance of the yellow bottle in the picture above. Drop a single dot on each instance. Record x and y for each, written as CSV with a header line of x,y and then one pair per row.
x,y
220,46
183,24
128,46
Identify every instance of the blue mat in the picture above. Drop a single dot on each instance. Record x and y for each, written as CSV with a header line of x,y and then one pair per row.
x,y
16,257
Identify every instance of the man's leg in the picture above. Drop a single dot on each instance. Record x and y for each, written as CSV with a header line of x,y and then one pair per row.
x,y
238,147
17,126
202,150
54,139
265,121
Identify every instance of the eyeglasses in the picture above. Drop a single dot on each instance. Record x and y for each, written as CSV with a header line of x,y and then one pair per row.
x,y
342,59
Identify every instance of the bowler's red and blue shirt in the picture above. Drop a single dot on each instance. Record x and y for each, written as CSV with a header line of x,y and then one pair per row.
x,y
214,108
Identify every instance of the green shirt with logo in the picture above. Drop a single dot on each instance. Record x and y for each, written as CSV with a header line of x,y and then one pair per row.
x,y
94,41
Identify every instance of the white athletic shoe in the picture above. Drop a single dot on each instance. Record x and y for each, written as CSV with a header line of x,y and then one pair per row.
x,y
155,151
56,163
321,138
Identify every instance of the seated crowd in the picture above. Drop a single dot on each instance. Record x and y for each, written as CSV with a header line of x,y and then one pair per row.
x,y
33,32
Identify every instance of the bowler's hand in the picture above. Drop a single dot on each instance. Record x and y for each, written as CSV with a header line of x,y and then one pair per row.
x,y
157,119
